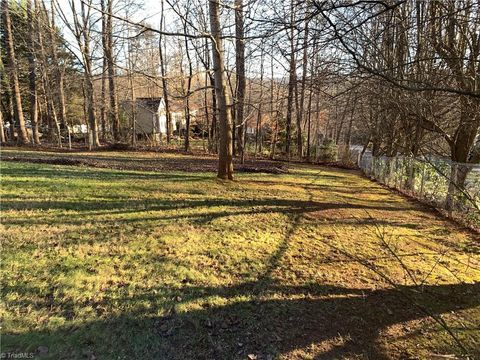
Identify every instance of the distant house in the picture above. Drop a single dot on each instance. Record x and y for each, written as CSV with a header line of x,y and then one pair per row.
x,y
267,124
150,116
179,121
81,129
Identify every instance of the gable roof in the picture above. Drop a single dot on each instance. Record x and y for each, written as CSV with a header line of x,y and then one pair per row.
x,y
151,104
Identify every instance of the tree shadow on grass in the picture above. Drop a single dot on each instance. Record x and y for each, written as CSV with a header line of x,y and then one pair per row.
x,y
262,317
340,322
236,207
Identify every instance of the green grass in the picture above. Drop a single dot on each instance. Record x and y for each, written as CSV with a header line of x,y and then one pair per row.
x,y
144,265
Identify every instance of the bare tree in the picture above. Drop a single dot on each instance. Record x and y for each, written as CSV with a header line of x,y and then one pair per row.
x,y
107,42
225,153
12,70
187,93
81,27
47,87
163,71
300,110
258,131
58,71
292,73
241,80
32,74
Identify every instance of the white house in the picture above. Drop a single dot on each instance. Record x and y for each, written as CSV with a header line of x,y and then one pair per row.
x,y
179,121
150,116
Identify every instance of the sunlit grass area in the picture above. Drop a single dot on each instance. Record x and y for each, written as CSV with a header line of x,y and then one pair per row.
x,y
318,263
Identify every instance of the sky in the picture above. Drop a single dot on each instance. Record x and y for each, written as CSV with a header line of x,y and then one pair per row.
x,y
149,11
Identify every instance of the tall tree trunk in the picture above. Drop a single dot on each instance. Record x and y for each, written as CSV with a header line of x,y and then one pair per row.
x,y
241,81
290,99
3,139
189,88
205,102
225,153
134,110
103,93
292,73
89,99
163,71
32,74
309,123
107,38
273,141
209,80
258,132
313,64
88,75
62,112
214,126
302,94
232,91
12,70
103,101
47,88
133,105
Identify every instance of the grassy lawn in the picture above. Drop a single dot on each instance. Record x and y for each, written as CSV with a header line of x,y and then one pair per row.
x,y
318,263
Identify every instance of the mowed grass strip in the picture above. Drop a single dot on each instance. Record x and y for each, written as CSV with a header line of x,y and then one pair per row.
x,y
317,263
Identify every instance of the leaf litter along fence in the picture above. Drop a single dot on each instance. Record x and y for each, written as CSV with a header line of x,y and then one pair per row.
x,y
449,186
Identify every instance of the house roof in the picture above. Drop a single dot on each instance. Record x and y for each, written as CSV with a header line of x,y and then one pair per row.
x,y
151,104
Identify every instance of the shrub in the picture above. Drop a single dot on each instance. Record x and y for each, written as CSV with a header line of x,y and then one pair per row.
x,y
328,151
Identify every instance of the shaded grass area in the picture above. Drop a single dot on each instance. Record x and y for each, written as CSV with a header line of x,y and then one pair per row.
x,y
318,263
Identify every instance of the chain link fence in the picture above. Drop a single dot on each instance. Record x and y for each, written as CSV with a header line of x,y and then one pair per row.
x,y
452,187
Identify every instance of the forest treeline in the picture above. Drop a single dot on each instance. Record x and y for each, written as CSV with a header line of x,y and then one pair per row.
x,y
277,78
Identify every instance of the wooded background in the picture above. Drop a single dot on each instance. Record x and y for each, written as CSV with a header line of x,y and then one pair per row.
x,y
277,78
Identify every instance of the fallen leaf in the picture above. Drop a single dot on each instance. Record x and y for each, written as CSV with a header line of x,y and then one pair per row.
x,y
42,349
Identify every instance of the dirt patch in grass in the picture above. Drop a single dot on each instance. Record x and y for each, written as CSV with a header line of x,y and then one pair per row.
x,y
181,163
